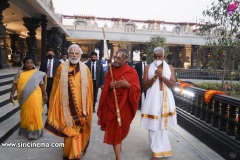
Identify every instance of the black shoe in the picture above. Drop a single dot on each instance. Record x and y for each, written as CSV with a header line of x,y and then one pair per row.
x,y
139,108
94,111
46,114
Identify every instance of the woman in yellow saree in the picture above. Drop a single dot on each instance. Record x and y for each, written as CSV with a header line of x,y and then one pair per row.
x,y
30,94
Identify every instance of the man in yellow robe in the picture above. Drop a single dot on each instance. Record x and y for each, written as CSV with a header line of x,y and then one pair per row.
x,y
70,112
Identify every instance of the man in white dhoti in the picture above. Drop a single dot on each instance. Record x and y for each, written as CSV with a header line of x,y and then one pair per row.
x,y
159,110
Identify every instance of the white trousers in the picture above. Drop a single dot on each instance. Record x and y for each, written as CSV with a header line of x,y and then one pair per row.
x,y
159,143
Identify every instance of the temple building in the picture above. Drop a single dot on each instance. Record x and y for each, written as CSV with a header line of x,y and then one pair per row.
x,y
30,27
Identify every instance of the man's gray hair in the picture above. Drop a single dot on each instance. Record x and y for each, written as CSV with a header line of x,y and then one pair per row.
x,y
75,45
159,50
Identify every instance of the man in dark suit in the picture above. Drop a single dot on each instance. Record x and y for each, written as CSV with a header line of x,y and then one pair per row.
x,y
129,63
140,71
49,66
96,69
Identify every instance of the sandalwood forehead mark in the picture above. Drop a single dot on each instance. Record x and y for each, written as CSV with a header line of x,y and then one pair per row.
x,y
118,54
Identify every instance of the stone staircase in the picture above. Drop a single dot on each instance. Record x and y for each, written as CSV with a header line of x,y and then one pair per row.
x,y
9,114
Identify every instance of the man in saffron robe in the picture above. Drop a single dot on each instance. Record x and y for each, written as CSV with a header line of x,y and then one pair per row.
x,y
159,110
70,112
127,87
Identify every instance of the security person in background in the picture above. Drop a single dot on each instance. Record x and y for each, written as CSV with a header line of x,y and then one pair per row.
x,y
96,69
49,66
140,71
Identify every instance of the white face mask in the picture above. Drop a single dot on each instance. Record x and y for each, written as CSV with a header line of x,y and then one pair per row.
x,y
158,62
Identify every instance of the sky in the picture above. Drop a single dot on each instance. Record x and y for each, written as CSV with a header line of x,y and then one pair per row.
x,y
164,10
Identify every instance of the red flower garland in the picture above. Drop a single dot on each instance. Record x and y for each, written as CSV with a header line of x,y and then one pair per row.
x,y
209,93
182,86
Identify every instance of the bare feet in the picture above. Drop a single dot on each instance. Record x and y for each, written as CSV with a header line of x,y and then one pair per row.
x,y
117,150
153,158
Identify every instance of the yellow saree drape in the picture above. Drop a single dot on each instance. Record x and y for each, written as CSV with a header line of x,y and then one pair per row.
x,y
31,109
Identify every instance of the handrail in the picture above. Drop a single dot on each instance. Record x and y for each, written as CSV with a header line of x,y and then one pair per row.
x,y
219,119
204,74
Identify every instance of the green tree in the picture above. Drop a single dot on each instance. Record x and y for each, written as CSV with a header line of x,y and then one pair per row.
x,y
155,41
221,51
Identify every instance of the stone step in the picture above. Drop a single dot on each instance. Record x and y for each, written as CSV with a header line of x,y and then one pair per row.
x,y
4,73
8,110
4,80
4,99
9,126
9,114
5,89
7,75
6,107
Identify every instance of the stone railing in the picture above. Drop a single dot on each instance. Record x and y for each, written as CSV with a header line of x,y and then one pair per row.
x,y
138,31
202,74
215,123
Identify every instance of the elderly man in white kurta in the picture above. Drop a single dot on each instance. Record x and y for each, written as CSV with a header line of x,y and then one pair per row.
x,y
159,110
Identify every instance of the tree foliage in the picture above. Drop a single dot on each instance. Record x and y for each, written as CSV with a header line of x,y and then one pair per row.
x,y
155,41
221,33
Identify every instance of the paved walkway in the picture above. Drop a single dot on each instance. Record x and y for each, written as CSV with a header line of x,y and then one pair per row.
x,y
134,147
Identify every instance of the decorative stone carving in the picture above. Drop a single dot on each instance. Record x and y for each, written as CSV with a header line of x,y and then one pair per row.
x,y
177,30
32,24
130,27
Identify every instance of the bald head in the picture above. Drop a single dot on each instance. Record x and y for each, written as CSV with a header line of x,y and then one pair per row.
x,y
120,57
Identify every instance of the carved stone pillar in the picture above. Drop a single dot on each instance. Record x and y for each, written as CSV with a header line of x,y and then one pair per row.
x,y
129,49
63,45
23,46
194,57
179,52
188,51
3,58
14,42
68,43
54,40
32,24
17,59
44,38
110,47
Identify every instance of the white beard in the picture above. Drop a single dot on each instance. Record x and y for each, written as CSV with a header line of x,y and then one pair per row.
x,y
74,61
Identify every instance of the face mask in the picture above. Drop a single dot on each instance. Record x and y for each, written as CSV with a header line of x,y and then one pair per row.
x,y
144,58
93,60
157,62
50,56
